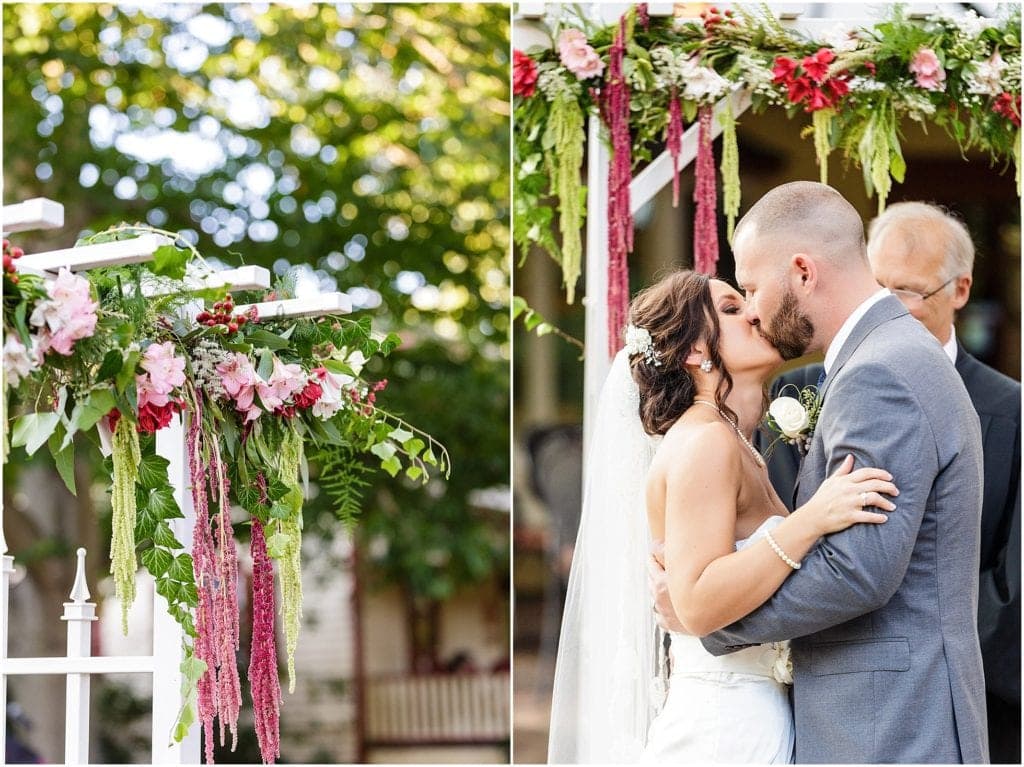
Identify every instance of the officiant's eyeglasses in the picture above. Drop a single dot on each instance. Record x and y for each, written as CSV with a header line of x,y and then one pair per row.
x,y
914,297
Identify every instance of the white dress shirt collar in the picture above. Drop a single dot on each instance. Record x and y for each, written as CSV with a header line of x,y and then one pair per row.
x,y
847,327
950,347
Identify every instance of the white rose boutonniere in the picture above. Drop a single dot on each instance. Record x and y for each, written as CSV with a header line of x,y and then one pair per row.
x,y
794,418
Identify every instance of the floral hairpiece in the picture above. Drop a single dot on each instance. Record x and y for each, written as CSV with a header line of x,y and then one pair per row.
x,y
639,341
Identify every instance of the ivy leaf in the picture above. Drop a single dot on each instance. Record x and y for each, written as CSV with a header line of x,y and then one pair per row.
x,y
153,471
193,668
111,365
90,410
401,435
157,560
63,458
169,261
126,375
391,465
277,545
413,447
32,430
164,536
414,472
181,568
383,450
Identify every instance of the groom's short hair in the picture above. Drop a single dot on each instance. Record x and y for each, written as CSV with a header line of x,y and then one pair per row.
x,y
809,217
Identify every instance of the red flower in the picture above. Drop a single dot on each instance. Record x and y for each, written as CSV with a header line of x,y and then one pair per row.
x,y
817,65
799,89
152,418
818,100
309,395
839,88
524,74
784,69
112,418
286,411
870,66
1007,105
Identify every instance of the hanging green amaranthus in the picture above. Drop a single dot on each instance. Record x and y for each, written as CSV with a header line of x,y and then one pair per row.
x,y
730,167
563,154
126,458
821,119
286,546
880,156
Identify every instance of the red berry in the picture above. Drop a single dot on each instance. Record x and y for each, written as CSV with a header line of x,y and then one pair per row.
x,y
241,320
17,252
14,279
233,327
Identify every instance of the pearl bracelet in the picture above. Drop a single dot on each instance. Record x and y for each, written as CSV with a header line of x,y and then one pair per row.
x,y
782,554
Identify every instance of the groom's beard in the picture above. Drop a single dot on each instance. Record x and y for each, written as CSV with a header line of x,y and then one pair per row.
x,y
790,330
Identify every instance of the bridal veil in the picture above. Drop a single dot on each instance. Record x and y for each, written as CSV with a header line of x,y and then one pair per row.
x,y
603,699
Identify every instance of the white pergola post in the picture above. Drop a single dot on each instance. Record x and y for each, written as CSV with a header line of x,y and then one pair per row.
x,y
642,189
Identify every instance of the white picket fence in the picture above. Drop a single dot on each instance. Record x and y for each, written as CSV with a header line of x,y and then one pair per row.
x,y
163,664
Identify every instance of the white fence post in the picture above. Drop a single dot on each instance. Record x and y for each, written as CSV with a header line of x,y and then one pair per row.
x,y
80,615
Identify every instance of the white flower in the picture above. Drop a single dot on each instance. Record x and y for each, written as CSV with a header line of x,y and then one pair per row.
x,y
18,362
705,84
791,417
638,340
841,39
985,77
782,668
971,24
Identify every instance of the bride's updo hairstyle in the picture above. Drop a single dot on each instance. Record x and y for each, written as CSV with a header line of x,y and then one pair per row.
x,y
679,313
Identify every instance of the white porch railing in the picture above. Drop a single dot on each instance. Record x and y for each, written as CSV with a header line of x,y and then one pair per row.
x,y
435,709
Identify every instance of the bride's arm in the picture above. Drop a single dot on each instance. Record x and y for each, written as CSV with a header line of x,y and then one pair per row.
x,y
711,584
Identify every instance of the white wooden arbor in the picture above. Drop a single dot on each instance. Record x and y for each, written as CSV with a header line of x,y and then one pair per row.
x,y
163,664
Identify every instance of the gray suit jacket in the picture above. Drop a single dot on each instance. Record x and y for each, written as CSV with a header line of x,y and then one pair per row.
x,y
886,661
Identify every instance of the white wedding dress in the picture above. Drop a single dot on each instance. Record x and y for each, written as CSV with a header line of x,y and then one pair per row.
x,y
729,709
608,704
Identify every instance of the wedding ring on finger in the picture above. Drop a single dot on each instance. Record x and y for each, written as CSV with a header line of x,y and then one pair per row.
x,y
863,500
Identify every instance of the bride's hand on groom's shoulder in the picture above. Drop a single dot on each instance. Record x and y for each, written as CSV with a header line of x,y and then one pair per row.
x,y
844,499
657,582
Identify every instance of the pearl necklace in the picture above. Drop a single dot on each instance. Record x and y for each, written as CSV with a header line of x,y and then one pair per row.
x,y
740,434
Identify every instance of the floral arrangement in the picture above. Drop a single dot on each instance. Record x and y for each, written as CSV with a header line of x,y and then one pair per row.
x,y
646,77
96,352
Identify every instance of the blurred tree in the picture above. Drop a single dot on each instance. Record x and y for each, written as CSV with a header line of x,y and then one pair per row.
x,y
361,147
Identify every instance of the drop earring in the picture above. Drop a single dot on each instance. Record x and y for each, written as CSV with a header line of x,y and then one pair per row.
x,y
705,365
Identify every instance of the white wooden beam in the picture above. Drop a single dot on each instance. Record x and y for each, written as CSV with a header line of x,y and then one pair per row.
x,y
37,213
658,174
315,306
242,278
121,664
117,253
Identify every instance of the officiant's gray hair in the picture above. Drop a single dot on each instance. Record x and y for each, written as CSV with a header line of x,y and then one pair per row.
x,y
805,216
912,220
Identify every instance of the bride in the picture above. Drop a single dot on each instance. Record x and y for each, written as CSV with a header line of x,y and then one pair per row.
x,y
672,437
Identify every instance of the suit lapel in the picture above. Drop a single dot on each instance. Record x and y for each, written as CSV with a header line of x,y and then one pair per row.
x,y
884,310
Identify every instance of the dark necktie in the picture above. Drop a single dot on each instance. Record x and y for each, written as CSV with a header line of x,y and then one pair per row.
x,y
821,379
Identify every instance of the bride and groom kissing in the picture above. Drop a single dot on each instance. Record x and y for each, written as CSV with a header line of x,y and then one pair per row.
x,y
864,598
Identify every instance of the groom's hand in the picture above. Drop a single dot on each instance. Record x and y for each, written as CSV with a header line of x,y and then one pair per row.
x,y
657,581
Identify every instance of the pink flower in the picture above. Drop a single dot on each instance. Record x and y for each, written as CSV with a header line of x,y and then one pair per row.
x,y
783,70
578,56
166,371
239,381
928,71
148,395
284,381
67,316
330,401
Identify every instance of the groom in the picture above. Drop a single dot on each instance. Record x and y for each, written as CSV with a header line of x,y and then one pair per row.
x,y
886,661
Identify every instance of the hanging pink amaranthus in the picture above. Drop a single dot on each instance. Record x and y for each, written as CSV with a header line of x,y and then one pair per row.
x,y
229,689
674,140
264,682
204,565
705,225
620,218
219,692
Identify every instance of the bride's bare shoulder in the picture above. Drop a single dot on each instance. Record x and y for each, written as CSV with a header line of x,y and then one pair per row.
x,y
698,444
